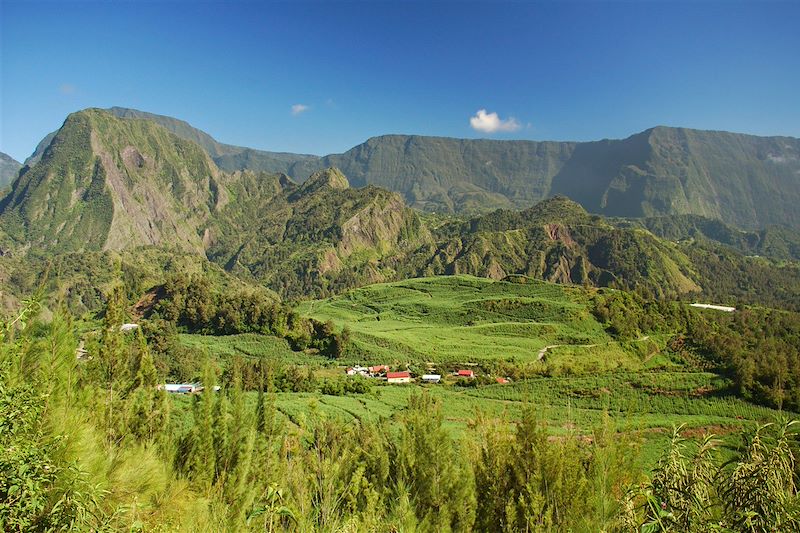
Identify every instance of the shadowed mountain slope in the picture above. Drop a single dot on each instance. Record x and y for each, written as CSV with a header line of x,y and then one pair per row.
x,y
9,168
749,181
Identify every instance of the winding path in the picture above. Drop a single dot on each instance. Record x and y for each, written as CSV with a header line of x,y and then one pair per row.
x,y
543,351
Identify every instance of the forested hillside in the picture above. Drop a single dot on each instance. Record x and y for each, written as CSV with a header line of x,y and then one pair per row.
x,y
93,444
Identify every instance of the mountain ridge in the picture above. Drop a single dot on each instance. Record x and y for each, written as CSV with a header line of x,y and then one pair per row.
x,y
107,184
750,181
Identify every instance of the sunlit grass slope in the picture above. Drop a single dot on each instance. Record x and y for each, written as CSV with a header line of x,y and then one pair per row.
x,y
468,319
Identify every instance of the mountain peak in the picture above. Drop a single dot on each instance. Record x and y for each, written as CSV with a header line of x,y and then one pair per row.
x,y
105,183
557,209
330,177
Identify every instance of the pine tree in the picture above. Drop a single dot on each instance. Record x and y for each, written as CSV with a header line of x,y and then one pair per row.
x,y
203,456
427,462
111,365
238,489
144,370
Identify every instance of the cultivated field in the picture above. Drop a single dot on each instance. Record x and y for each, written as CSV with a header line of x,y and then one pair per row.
x,y
465,319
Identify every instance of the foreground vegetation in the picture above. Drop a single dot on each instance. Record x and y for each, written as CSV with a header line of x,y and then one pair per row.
x,y
93,444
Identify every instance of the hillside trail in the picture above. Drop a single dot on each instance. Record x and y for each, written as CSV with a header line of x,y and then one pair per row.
x,y
543,351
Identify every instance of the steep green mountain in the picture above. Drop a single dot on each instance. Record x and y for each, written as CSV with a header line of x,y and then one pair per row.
x,y
557,240
314,238
452,175
9,168
110,184
226,156
106,184
746,180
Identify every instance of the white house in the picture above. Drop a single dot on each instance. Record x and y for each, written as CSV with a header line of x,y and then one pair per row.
x,y
182,388
357,371
185,388
431,378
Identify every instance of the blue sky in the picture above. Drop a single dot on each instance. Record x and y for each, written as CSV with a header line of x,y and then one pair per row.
x,y
542,70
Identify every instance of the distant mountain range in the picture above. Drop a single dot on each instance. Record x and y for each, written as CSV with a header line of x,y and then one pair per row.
x,y
748,181
9,169
106,184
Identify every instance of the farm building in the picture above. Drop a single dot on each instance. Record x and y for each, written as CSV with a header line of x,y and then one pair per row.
x,y
357,371
431,378
182,388
185,388
398,377
379,369
501,381
466,373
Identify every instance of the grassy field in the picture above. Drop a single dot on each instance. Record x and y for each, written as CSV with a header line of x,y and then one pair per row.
x,y
249,346
465,319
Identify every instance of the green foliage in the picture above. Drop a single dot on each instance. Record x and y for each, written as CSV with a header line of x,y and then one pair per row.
x,y
457,319
692,489
430,468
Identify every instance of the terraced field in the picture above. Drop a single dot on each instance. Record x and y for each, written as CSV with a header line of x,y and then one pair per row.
x,y
464,319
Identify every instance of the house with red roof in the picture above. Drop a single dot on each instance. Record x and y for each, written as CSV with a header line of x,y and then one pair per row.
x,y
466,373
398,377
378,369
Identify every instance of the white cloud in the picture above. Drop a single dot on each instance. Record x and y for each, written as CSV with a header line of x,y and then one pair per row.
x,y
299,108
491,123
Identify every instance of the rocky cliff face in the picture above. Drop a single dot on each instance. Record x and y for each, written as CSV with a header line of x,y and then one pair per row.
x,y
106,184
746,180
317,236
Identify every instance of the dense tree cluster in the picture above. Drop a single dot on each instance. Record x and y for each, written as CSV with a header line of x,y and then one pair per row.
x,y
193,304
757,281
759,348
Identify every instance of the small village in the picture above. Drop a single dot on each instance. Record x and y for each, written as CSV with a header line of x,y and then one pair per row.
x,y
378,373
384,373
